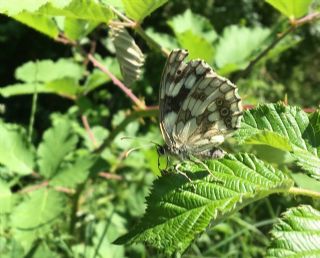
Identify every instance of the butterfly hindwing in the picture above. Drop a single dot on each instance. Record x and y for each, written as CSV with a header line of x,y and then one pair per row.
x,y
198,108
211,110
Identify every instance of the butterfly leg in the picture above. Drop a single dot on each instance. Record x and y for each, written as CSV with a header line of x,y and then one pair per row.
x,y
184,174
200,162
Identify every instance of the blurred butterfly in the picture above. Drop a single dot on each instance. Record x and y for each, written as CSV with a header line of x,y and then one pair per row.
x,y
198,108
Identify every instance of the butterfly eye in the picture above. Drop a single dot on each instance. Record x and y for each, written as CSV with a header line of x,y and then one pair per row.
x,y
161,150
224,111
219,102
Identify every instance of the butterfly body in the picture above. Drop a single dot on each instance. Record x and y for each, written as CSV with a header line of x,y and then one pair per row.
x,y
198,108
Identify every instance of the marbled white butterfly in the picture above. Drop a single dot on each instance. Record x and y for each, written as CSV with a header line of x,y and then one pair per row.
x,y
198,108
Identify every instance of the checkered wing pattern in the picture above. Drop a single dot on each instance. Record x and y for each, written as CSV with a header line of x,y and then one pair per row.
x,y
198,108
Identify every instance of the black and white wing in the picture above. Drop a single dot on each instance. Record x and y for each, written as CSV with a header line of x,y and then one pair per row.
x,y
176,82
198,108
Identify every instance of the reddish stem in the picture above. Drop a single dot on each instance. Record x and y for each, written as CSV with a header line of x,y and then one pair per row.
x,y
117,82
89,131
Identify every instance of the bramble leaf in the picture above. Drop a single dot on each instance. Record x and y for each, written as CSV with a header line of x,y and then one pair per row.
x,y
179,210
285,128
32,218
45,15
291,9
140,9
195,33
297,234
58,141
15,151
74,174
47,70
237,46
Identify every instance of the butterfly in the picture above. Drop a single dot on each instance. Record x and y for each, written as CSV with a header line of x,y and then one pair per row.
x,y
198,108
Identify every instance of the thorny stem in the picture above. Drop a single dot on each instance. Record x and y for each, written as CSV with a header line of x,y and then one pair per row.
x,y
117,82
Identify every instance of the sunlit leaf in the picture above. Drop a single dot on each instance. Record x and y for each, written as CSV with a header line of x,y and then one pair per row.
x,y
179,210
58,141
291,8
286,128
15,151
238,45
32,218
297,234
139,9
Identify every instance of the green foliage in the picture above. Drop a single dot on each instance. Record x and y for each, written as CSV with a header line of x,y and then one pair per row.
x,y
297,234
58,141
140,9
79,168
291,9
16,154
5,198
40,15
285,128
178,210
33,218
237,47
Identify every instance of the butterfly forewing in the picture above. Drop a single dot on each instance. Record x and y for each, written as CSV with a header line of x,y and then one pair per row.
x,y
198,108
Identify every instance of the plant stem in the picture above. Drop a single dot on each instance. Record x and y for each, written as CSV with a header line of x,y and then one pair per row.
x,y
117,82
34,104
74,210
89,131
305,192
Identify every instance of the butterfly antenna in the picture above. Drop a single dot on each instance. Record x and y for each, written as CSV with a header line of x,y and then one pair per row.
x,y
127,153
136,138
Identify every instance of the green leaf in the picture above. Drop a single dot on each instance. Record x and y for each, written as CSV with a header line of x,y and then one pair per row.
x,y
65,87
75,173
195,23
15,151
195,33
47,70
291,8
270,138
76,29
77,9
42,15
237,46
285,128
40,23
5,198
179,210
139,9
306,182
22,88
165,40
32,218
58,141
197,46
297,234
